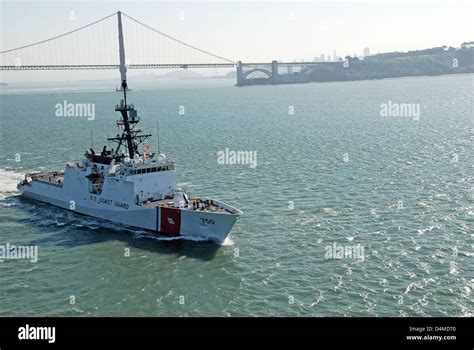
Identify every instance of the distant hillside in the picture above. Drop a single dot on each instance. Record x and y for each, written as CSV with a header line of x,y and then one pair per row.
x,y
434,61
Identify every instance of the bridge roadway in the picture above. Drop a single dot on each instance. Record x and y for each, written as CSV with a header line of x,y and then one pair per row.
x,y
156,66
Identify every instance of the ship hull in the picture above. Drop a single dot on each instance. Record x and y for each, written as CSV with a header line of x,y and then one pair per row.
x,y
160,220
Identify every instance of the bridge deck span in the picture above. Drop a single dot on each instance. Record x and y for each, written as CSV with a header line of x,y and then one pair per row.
x,y
155,66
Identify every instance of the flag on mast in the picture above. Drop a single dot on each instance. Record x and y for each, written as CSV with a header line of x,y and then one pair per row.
x,y
147,149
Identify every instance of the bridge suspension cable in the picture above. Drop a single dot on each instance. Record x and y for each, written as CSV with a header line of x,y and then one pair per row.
x,y
59,36
179,41
95,46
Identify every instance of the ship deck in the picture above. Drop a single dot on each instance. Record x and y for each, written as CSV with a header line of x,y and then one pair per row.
x,y
210,206
55,178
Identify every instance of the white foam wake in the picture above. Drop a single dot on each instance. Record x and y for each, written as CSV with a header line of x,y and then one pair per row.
x,y
8,181
148,235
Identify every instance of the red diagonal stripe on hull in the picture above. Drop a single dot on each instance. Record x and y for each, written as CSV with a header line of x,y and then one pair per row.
x,y
170,220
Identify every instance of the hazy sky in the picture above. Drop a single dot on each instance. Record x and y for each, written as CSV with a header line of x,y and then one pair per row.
x,y
258,31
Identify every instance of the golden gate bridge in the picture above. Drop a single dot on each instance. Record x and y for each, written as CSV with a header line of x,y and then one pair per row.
x,y
94,47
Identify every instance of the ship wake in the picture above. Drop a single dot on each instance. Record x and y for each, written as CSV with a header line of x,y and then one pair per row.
x,y
8,181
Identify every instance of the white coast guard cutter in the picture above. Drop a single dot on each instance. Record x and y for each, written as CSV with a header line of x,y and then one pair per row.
x,y
131,188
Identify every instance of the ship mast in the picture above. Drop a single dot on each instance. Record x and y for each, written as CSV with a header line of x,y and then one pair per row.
x,y
124,109
123,68
131,137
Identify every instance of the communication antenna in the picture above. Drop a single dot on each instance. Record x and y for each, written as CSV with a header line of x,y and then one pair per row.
x,y
158,137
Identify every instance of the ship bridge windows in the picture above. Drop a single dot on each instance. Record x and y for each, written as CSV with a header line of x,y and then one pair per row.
x,y
150,170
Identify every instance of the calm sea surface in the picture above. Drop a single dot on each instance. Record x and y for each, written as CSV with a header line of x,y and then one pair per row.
x,y
335,173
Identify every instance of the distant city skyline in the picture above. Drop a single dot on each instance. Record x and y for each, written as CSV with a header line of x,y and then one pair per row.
x,y
328,58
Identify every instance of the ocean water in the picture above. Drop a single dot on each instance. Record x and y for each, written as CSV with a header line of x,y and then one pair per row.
x,y
331,172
